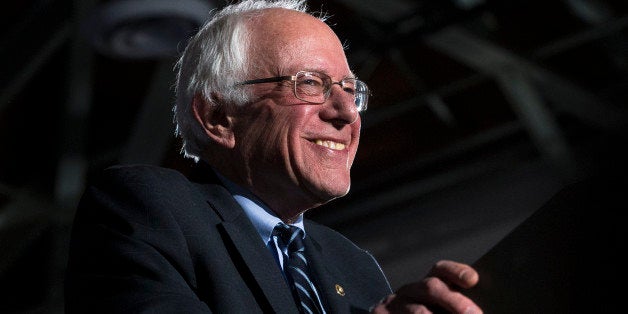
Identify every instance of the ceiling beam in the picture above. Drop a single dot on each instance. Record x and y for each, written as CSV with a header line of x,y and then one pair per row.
x,y
26,72
486,57
153,130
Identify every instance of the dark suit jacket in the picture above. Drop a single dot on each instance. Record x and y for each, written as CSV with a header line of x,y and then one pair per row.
x,y
148,239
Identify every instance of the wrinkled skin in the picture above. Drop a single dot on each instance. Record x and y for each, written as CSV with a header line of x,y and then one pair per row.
x,y
272,147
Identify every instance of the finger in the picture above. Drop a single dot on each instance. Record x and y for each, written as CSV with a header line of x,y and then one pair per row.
x,y
458,274
417,309
437,292
399,304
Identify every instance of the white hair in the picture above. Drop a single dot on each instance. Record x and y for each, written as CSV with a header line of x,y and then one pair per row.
x,y
215,59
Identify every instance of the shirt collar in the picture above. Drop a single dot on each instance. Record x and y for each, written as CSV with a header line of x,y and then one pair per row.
x,y
260,215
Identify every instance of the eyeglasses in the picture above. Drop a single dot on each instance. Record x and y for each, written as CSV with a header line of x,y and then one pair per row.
x,y
315,87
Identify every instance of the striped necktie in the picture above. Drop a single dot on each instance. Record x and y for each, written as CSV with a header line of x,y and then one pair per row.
x,y
296,268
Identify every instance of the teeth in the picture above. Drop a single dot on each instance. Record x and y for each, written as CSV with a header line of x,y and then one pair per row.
x,y
330,144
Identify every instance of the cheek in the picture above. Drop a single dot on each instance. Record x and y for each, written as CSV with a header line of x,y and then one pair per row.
x,y
265,135
274,139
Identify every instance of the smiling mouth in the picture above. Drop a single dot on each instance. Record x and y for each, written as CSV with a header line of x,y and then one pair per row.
x,y
330,144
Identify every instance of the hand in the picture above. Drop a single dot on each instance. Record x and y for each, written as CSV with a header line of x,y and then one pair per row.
x,y
436,292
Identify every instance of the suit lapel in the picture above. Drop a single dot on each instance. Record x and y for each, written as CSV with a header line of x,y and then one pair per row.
x,y
255,257
261,264
329,279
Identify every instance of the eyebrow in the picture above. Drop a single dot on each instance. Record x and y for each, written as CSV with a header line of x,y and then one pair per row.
x,y
351,75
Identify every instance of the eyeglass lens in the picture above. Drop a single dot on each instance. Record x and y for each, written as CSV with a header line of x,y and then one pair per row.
x,y
315,88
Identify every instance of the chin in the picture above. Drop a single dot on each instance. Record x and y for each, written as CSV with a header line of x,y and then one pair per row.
x,y
329,193
327,186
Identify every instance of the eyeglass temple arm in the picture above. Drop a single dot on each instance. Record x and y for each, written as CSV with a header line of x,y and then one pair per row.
x,y
267,80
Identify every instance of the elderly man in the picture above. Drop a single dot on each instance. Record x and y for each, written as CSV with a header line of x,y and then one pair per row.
x,y
267,105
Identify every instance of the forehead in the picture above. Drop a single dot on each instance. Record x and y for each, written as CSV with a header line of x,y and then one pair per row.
x,y
285,40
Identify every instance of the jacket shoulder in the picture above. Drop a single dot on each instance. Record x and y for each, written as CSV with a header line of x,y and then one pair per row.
x,y
141,193
137,174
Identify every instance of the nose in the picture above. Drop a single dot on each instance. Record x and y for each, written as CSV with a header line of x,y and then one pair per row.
x,y
340,107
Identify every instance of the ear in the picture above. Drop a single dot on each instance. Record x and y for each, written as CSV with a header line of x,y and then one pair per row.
x,y
215,119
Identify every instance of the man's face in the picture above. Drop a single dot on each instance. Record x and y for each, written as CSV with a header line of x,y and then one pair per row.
x,y
297,155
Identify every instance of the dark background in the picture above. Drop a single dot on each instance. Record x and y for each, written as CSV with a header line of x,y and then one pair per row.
x,y
481,111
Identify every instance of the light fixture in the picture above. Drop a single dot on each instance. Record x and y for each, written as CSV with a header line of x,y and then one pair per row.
x,y
144,29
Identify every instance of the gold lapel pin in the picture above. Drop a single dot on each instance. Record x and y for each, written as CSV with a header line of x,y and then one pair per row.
x,y
340,290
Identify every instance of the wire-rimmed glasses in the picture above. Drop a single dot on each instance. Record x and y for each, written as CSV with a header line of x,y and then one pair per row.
x,y
315,87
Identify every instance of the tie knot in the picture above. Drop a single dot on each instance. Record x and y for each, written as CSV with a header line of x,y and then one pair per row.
x,y
291,236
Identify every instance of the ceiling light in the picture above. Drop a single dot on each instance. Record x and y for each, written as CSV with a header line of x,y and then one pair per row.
x,y
144,29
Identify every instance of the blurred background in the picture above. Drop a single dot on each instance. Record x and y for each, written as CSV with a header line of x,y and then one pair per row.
x,y
481,111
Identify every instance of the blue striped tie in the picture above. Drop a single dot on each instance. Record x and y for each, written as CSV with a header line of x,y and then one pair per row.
x,y
296,268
